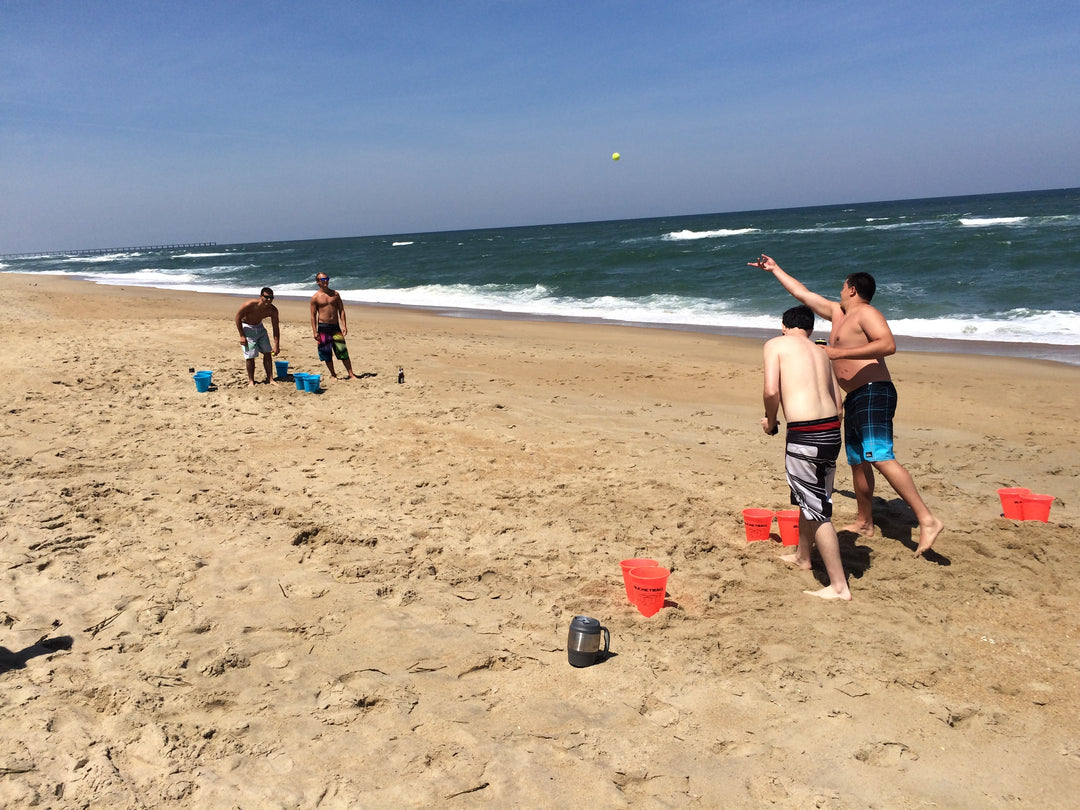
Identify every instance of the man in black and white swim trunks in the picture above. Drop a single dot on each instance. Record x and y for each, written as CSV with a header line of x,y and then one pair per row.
x,y
799,378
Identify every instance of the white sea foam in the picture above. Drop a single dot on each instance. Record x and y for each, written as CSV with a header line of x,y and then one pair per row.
x,y
401,244
680,236
1017,326
100,258
984,222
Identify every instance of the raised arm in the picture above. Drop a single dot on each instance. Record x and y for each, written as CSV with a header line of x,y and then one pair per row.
x,y
822,306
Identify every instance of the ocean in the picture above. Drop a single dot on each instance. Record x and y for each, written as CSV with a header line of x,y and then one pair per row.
x,y
995,274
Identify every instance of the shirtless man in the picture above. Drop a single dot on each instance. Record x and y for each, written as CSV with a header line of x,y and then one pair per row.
x,y
859,342
253,335
328,326
799,378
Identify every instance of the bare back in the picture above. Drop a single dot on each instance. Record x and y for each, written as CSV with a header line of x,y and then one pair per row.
x,y
803,376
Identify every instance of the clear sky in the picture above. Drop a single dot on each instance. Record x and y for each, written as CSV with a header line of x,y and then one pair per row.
x,y
129,123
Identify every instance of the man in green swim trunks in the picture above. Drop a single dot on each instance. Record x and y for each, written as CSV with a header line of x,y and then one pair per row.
x,y
859,342
328,326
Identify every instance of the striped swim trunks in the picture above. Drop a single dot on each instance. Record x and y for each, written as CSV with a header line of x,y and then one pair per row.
x,y
810,463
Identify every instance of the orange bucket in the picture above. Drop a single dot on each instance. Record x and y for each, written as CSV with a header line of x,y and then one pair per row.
x,y
650,587
1010,501
788,521
758,523
627,566
1036,507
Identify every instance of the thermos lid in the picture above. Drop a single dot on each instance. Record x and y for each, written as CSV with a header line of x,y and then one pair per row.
x,y
585,624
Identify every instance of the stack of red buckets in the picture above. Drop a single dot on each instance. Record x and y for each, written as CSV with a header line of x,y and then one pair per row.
x,y
1020,503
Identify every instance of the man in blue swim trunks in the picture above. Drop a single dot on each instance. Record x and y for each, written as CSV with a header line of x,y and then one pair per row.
x,y
859,342
328,326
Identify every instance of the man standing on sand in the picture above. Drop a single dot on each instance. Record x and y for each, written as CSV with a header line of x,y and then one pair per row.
x,y
253,335
859,342
328,326
799,377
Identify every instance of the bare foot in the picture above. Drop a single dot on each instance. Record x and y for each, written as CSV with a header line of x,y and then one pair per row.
x,y
793,559
251,383
271,382
862,529
927,535
829,592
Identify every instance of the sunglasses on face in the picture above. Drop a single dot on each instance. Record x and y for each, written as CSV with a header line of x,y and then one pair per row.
x,y
267,297
323,278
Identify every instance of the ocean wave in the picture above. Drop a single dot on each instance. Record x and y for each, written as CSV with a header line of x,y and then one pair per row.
x,y
1016,326
102,258
984,222
869,225
401,244
681,236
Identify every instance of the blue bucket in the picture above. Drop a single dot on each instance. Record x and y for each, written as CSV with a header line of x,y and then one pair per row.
x,y
282,368
312,382
202,381
300,377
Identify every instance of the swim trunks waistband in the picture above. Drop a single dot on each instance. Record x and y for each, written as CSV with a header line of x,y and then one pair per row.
x,y
815,424
865,387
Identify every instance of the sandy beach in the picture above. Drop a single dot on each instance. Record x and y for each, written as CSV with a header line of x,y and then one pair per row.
x,y
257,597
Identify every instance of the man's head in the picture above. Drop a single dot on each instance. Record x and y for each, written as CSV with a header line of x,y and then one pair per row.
x,y
266,294
321,279
863,284
800,317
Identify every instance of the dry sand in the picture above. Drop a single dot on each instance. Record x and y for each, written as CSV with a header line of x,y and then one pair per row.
x,y
256,597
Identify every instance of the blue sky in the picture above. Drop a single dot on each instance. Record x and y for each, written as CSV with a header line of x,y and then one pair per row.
x,y
134,123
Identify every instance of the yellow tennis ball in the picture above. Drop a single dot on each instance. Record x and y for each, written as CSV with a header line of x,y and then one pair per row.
x,y
616,156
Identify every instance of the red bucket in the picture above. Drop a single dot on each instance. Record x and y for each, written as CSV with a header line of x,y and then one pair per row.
x,y
1036,507
650,587
758,523
788,521
1010,502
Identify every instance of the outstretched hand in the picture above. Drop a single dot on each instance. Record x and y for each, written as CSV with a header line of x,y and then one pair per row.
x,y
765,263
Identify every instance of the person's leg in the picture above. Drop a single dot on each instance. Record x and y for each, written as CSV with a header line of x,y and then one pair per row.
x,y
901,481
268,366
250,370
341,351
829,549
862,480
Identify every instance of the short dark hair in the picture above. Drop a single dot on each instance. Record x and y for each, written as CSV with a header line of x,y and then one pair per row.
x,y
863,284
800,317
267,291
